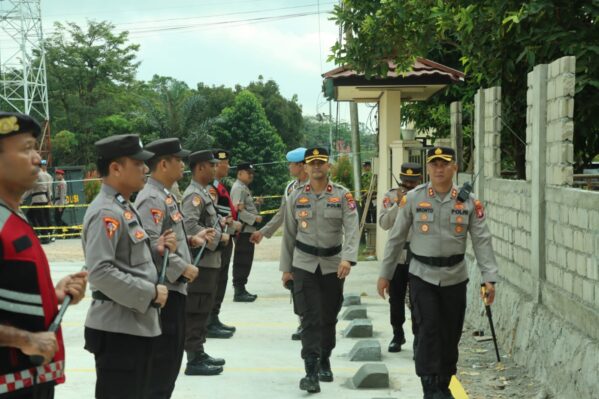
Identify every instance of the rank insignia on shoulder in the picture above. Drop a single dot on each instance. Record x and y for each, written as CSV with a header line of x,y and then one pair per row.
x,y
156,215
128,215
431,192
404,201
169,200
196,201
479,209
139,234
213,194
111,226
454,193
329,188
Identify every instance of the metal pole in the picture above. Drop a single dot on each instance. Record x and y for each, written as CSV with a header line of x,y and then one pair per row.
x,y
331,129
355,145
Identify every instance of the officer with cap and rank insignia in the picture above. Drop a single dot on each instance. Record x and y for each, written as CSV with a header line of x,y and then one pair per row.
x,y
28,297
320,244
199,212
159,214
225,208
248,214
296,165
410,176
122,322
439,222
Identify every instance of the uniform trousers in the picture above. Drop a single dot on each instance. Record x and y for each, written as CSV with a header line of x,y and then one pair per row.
x,y
168,349
243,259
123,363
223,277
397,300
40,391
319,298
439,312
200,299
40,217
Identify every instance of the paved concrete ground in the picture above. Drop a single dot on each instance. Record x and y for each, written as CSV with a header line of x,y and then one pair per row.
x,y
262,361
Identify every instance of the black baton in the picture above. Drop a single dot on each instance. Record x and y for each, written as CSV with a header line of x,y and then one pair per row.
x,y
490,317
196,261
38,360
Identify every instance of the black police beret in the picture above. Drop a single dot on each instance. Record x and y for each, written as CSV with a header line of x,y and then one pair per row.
x,y
171,146
444,153
202,156
122,145
316,153
12,123
410,171
245,166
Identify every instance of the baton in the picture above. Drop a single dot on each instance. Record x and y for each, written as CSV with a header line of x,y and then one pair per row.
x,y
199,255
162,277
490,317
38,360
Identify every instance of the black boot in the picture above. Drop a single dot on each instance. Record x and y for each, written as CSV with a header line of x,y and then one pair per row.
x,y
396,343
310,381
430,388
443,384
325,374
209,360
297,335
198,363
215,321
241,295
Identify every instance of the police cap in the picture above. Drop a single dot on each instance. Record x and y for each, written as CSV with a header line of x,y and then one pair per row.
x,y
12,123
444,153
316,154
170,146
296,155
410,171
220,154
246,166
202,156
122,145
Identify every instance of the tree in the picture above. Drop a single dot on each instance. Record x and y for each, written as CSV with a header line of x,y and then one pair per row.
x,y
244,129
496,43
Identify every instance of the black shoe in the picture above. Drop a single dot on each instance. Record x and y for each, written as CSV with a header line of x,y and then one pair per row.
x,y
443,384
396,343
297,335
215,321
215,332
241,295
196,367
310,381
325,374
209,360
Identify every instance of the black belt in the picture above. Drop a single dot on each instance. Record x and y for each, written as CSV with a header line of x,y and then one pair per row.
x,y
440,261
321,252
100,296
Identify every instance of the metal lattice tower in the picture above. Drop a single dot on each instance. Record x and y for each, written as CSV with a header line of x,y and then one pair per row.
x,y
23,84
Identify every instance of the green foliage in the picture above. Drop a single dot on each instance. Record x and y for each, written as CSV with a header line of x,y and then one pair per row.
x,y
494,42
244,129
341,172
65,148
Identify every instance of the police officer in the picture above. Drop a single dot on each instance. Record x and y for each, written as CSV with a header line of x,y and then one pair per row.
x,y
41,196
410,176
159,214
28,298
122,321
296,165
439,222
320,244
248,214
60,198
200,213
225,208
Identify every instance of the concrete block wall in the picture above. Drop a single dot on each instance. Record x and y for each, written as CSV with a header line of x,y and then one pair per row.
x,y
492,130
456,133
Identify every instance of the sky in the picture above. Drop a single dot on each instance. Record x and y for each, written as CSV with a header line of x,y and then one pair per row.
x,y
223,42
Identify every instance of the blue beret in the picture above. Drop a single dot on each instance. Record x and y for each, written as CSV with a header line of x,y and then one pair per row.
x,y
296,155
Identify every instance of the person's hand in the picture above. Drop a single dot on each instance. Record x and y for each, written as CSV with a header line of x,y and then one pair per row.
x,y
237,225
168,239
224,238
382,287
286,277
40,344
258,219
229,220
256,237
200,238
487,293
73,285
161,295
240,206
190,273
343,269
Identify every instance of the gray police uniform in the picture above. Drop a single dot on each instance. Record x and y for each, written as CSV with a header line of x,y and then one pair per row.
x,y
60,198
244,250
320,231
399,283
438,273
159,212
200,213
120,322
41,195
277,220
